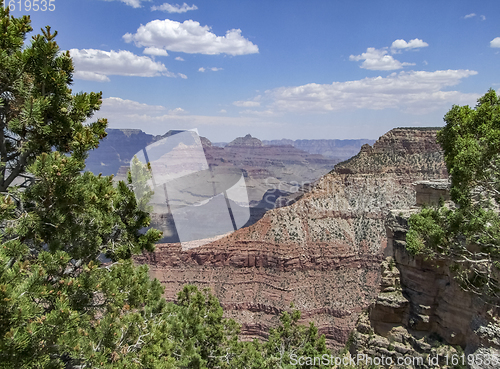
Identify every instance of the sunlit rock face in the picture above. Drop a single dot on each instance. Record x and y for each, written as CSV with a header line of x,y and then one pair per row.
x,y
323,252
421,310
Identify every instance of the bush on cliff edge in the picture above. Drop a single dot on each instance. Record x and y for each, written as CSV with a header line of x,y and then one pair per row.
x,y
467,234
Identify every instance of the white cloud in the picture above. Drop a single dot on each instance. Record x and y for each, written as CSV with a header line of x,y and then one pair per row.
x,y
91,76
155,51
413,91
223,111
260,113
169,8
412,44
246,104
472,15
183,76
495,42
213,69
158,119
176,111
377,59
97,65
132,3
255,102
190,37
116,104
179,58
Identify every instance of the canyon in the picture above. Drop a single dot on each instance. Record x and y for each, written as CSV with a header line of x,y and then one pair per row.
x,y
323,252
274,174
120,145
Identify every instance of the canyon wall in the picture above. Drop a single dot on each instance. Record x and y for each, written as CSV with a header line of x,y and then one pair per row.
x,y
421,310
323,252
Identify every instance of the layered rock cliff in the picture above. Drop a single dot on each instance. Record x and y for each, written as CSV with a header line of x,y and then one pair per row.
x,y
323,252
421,311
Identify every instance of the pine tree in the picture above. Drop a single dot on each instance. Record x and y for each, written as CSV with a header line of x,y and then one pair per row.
x,y
60,306
37,110
291,338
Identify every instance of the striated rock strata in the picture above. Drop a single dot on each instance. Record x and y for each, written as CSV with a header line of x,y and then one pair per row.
x,y
322,253
421,311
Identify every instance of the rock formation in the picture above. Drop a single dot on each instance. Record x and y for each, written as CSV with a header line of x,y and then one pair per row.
x,y
421,311
247,141
283,168
323,252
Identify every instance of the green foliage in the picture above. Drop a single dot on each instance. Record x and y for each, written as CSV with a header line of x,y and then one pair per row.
x,y
37,110
470,141
60,306
468,234
200,336
140,177
427,233
392,264
291,338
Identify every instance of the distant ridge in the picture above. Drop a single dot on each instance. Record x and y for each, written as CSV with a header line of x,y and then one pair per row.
x,y
335,149
421,128
121,145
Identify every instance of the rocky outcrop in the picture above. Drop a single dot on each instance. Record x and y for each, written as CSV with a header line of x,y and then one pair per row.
x,y
322,253
421,310
399,152
247,141
431,192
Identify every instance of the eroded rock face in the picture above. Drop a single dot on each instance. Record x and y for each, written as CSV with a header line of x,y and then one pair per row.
x,y
322,253
421,310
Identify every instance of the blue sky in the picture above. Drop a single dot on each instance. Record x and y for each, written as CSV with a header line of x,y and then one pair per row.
x,y
279,69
